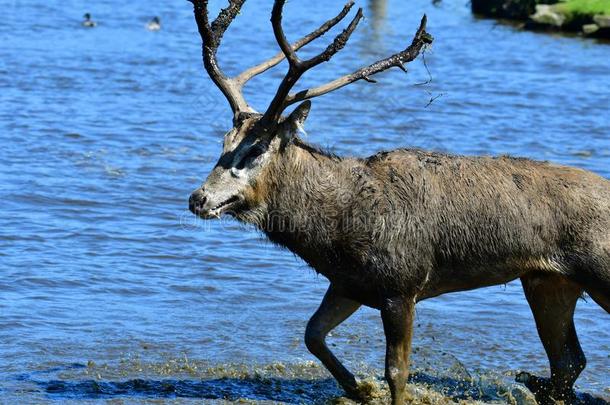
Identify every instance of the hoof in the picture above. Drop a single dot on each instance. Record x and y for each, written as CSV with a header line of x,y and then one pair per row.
x,y
356,396
363,392
545,392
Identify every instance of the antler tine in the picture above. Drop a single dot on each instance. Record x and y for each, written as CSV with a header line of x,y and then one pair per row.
x,y
278,31
296,66
268,64
420,39
338,43
211,37
226,16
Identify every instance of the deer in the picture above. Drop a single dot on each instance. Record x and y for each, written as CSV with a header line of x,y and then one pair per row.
x,y
404,225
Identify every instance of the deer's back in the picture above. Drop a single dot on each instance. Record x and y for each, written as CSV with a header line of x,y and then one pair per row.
x,y
434,213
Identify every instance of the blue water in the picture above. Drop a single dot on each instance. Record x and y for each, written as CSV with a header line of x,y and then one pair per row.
x,y
104,274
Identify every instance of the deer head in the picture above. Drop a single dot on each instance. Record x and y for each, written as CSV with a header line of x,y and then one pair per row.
x,y
256,139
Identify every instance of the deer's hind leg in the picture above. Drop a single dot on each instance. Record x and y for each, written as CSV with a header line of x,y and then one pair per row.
x,y
552,299
333,310
397,316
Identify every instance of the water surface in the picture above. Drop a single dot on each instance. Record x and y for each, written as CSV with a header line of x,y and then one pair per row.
x,y
107,279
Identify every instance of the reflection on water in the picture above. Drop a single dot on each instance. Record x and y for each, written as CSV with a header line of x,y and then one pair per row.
x,y
378,11
104,275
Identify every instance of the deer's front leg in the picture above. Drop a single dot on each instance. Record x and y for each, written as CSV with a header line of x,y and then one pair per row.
x,y
333,310
397,315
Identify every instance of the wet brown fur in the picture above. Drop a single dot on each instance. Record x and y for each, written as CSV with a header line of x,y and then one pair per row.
x,y
412,223
405,225
410,220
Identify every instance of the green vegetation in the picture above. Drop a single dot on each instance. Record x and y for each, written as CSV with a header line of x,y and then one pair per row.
x,y
578,15
572,8
591,17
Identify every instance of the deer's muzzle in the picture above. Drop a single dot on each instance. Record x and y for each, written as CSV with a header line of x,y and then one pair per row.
x,y
205,206
197,201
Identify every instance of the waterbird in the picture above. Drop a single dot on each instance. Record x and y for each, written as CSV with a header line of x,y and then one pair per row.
x,y
88,22
154,24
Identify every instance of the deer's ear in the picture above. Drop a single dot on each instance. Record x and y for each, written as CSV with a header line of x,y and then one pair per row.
x,y
296,119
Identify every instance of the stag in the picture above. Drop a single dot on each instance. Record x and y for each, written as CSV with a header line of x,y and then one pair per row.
x,y
405,225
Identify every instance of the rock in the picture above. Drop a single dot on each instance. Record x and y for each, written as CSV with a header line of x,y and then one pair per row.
x,y
599,29
546,15
603,21
589,29
521,396
512,9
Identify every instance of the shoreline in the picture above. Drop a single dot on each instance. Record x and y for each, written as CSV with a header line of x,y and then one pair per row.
x,y
135,379
588,18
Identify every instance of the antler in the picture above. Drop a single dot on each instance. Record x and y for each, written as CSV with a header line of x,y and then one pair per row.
x,y
298,67
211,36
398,60
232,87
323,29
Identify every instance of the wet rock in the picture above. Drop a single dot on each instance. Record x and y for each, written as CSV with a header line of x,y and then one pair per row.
x,y
602,21
521,396
590,29
546,16
600,28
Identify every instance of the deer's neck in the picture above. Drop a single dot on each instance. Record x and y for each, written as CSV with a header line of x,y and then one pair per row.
x,y
306,193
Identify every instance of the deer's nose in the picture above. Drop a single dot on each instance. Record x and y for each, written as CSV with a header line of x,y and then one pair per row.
x,y
197,201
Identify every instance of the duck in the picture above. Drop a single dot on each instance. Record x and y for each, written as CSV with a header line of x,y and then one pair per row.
x,y
88,22
154,24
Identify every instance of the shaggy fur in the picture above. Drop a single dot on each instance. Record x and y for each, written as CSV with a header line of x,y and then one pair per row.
x,y
414,221
406,225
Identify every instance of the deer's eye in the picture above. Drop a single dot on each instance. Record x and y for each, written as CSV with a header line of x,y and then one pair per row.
x,y
252,154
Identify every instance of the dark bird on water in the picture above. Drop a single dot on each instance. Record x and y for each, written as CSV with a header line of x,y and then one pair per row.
x,y
154,24
88,22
